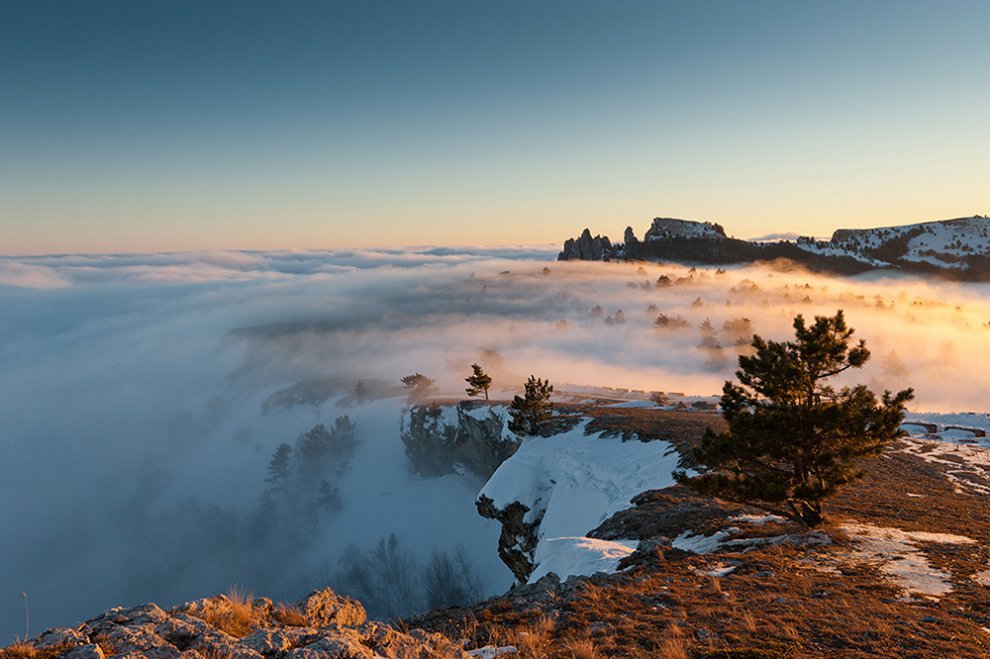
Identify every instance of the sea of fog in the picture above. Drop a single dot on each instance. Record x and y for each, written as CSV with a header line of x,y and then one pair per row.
x,y
142,396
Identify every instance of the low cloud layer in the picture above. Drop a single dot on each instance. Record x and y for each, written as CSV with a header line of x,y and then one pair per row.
x,y
142,395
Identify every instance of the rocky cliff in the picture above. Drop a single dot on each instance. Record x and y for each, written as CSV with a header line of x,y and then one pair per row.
x,y
554,490
586,248
321,625
447,439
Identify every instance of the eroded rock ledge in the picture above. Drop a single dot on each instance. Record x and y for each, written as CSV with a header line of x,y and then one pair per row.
x,y
322,624
445,439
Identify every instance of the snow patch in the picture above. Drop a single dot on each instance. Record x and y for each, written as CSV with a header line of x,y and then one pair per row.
x,y
899,556
580,556
720,570
758,519
636,404
700,543
982,578
966,466
492,651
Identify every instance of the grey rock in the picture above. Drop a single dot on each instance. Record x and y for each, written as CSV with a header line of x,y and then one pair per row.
x,y
519,538
586,248
88,651
274,642
473,436
54,637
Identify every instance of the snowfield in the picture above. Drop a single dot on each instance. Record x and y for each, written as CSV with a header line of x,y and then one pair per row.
x,y
571,483
943,243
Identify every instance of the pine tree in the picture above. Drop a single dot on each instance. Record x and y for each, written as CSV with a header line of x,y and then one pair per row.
x,y
278,468
793,440
419,386
531,413
478,382
319,449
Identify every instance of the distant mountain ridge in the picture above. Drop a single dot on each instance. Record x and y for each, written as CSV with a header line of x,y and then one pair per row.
x,y
957,248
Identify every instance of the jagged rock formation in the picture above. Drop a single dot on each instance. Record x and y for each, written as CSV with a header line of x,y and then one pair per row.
x,y
440,439
957,249
519,538
586,248
321,625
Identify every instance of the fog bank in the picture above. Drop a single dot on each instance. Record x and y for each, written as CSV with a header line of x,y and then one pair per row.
x,y
144,395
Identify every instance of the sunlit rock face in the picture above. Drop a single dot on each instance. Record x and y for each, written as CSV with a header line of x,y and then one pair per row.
x,y
470,436
322,624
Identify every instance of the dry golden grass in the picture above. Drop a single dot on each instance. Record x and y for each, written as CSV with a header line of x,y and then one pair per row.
x,y
24,650
19,650
233,613
532,641
748,621
289,615
581,648
673,648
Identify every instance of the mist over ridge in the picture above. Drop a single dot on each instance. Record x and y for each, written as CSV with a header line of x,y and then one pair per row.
x,y
138,414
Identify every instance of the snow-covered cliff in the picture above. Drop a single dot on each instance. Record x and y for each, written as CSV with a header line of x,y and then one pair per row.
x,y
554,490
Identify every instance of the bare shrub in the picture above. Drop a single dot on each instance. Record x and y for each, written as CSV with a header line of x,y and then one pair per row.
x,y
384,579
451,580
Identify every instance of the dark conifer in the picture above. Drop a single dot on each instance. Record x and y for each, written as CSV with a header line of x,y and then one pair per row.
x,y
478,382
793,440
531,413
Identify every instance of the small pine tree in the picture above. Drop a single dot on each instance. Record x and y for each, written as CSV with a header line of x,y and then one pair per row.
x,y
329,496
531,413
419,386
319,448
278,468
793,440
478,382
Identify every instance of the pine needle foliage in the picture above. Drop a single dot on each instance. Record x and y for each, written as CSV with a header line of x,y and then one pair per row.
x,y
419,386
793,439
478,382
531,413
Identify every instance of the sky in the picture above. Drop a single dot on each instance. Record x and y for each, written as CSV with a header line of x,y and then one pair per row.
x,y
185,125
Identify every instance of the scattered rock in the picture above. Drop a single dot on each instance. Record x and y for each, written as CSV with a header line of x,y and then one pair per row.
x,y
337,627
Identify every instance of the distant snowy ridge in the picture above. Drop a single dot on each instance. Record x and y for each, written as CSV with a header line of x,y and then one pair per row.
x,y
957,248
942,244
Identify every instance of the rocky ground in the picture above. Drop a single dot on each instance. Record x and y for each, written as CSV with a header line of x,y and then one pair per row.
x,y
235,626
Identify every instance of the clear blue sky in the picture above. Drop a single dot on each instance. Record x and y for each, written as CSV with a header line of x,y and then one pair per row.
x,y
140,125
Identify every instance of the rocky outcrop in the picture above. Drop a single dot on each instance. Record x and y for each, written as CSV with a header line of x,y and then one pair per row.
x,y
586,248
447,439
321,625
519,538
